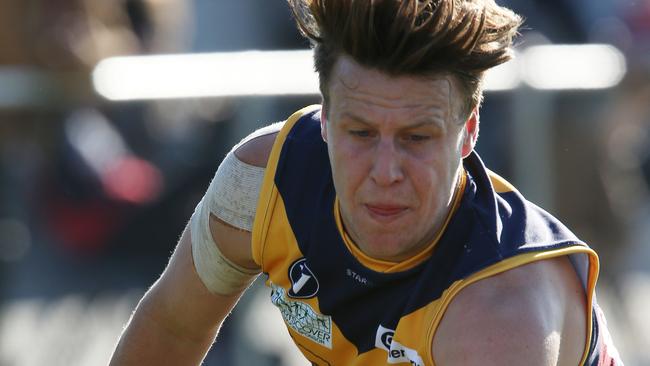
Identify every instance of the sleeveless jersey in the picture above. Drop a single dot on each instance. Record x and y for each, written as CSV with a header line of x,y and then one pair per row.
x,y
340,312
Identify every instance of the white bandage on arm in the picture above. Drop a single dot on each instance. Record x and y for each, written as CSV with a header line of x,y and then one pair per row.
x,y
231,197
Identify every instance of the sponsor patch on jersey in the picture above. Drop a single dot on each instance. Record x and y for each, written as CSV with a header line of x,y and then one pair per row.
x,y
397,352
303,282
302,318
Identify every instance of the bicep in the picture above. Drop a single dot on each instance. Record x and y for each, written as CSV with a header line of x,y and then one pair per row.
x,y
507,336
222,223
212,264
522,316
179,316
184,302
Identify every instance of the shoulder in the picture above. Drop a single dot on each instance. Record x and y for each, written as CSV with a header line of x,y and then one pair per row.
x,y
534,314
256,148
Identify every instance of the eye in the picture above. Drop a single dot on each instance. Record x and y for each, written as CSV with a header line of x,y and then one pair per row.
x,y
361,133
416,137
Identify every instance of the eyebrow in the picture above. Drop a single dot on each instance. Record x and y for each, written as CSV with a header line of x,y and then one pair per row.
x,y
357,118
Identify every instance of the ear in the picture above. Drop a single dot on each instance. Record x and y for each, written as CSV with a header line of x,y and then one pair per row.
x,y
323,123
470,133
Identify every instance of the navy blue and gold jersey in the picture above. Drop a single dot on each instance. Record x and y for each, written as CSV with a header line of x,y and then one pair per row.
x,y
344,308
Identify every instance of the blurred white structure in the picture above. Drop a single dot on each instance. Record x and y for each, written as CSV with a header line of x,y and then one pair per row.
x,y
550,67
558,67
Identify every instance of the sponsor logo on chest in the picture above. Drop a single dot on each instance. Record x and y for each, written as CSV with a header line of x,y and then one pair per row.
x,y
397,352
303,318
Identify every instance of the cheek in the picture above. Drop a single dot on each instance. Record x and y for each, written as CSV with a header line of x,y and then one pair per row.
x,y
425,180
348,167
432,178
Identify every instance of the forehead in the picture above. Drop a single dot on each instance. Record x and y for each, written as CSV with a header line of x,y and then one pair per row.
x,y
358,87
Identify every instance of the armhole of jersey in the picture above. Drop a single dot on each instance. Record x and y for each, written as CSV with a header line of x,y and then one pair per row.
x,y
268,191
517,261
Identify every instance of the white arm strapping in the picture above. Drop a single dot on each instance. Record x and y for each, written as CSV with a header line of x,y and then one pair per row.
x,y
232,197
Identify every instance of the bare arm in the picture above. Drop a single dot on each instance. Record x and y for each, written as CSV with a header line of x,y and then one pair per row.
x,y
531,315
177,320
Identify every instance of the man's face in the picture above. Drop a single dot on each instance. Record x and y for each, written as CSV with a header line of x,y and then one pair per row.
x,y
395,145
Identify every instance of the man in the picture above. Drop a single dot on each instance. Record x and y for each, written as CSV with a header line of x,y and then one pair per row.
x,y
384,238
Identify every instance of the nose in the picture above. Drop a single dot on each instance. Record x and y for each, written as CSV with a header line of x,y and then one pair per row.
x,y
387,164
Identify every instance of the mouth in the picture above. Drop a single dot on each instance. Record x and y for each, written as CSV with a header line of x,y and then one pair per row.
x,y
385,212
